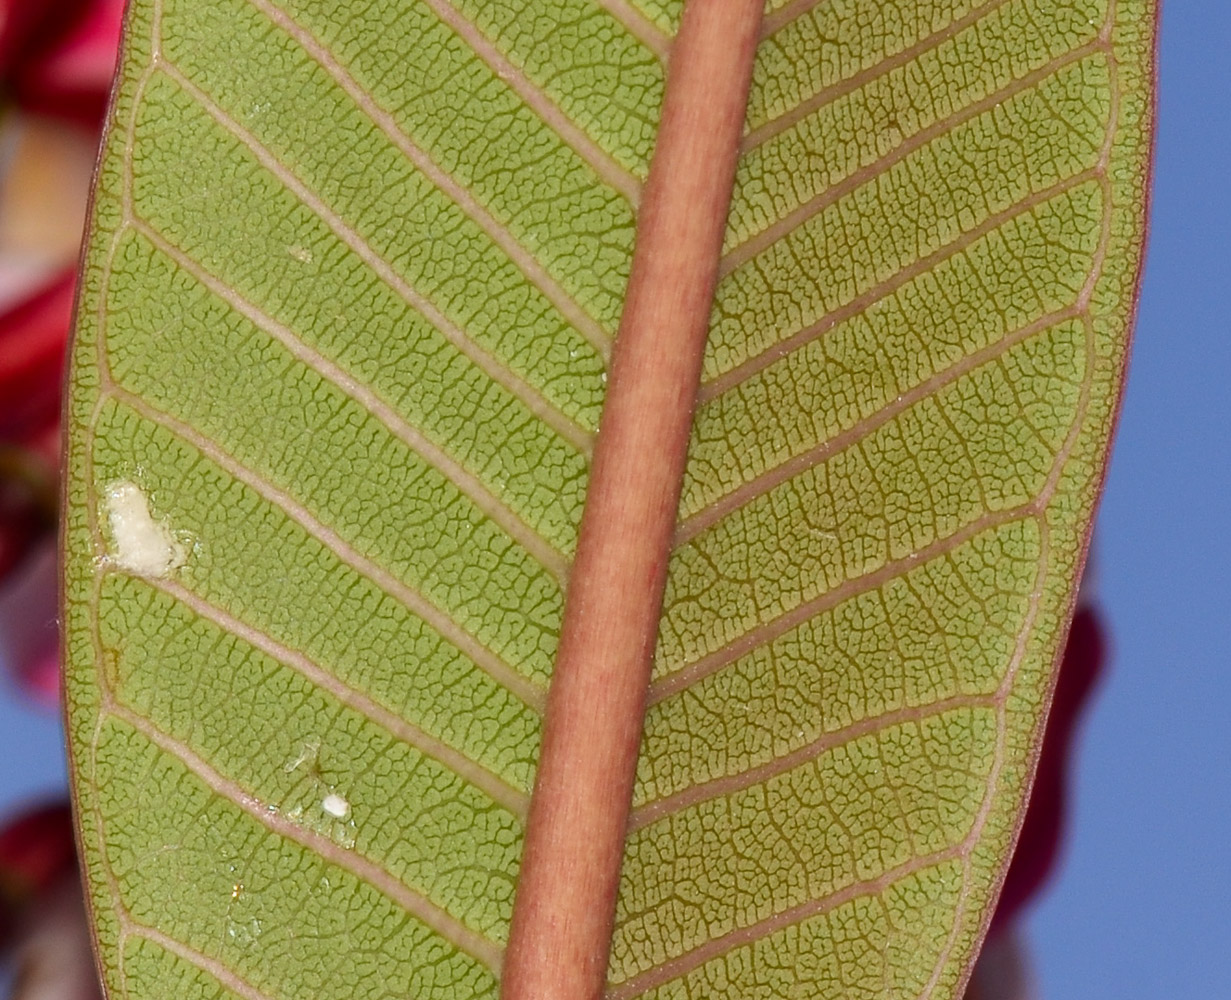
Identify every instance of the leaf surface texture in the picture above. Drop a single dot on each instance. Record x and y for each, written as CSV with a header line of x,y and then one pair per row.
x,y
353,280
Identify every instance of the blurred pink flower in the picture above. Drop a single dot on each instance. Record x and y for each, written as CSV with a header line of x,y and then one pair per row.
x,y
57,56
56,59
31,371
1042,833
36,849
43,927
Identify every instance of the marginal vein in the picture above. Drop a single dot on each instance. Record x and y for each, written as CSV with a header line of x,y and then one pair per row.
x,y
549,557
711,949
530,397
788,223
473,773
414,903
1021,647
516,684
761,484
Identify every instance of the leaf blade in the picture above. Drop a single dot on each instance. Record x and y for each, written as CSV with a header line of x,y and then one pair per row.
x,y
782,401
847,432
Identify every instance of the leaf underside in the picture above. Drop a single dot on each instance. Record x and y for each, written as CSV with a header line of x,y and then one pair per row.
x,y
353,278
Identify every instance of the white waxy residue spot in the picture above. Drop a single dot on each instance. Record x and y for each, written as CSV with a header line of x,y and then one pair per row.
x,y
143,544
336,806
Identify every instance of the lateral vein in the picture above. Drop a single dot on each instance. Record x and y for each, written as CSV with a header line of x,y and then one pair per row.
x,y
413,902
410,598
788,13
468,484
210,966
827,95
495,369
601,162
767,631
639,26
470,771
660,809
746,369
790,222
529,265
681,965
766,481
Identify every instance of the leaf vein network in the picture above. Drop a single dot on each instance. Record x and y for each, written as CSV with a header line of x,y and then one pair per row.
x,y
412,901
786,225
410,598
547,555
496,369
497,231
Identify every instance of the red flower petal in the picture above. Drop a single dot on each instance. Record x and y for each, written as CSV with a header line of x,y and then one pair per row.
x,y
21,526
40,675
44,932
36,849
58,57
32,339
32,342
1043,829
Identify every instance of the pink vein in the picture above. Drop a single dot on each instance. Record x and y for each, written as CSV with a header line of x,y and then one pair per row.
x,y
681,965
659,809
742,372
210,966
776,20
639,26
788,223
497,371
768,631
600,161
888,64
761,484
529,265
469,485
496,788
417,905
525,690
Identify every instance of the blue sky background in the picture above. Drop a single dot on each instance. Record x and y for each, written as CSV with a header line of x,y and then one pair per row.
x,y
1141,906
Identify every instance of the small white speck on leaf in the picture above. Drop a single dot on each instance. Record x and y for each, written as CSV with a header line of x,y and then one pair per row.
x,y
144,545
308,753
336,806
301,254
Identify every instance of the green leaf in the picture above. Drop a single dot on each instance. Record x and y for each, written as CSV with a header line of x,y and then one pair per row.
x,y
349,299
